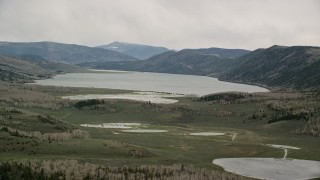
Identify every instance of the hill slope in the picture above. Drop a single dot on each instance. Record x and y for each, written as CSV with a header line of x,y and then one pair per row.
x,y
181,62
220,52
135,50
52,66
15,70
67,53
295,67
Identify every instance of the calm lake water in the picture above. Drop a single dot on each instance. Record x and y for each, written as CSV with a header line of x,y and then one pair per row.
x,y
145,81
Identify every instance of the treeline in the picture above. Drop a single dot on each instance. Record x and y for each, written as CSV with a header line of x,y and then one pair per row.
x,y
21,171
223,97
183,109
20,95
311,128
89,102
164,107
56,123
63,136
289,106
292,110
288,116
72,169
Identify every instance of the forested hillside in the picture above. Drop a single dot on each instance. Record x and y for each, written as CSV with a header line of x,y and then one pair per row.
x,y
295,67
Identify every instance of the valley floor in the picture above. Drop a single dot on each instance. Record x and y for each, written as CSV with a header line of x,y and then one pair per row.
x,y
40,128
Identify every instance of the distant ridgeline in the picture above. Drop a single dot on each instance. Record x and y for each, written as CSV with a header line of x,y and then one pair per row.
x,y
277,67
135,50
67,53
212,61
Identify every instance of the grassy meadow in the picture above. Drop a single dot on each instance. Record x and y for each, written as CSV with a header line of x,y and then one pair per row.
x,y
36,124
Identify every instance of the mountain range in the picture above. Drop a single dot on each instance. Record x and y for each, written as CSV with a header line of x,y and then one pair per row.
x,y
210,61
67,53
138,51
277,67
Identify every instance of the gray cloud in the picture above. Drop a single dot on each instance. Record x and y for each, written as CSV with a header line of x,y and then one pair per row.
x,y
172,23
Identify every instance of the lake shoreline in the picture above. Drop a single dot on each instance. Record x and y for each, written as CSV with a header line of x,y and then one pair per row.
x,y
145,81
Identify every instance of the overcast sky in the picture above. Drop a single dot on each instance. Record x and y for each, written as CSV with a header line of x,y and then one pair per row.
x,y
176,24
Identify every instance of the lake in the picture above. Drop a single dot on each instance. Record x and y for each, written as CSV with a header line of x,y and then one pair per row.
x,y
145,81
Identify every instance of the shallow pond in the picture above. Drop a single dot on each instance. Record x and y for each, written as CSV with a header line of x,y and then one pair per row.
x,y
151,97
145,131
207,134
270,168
